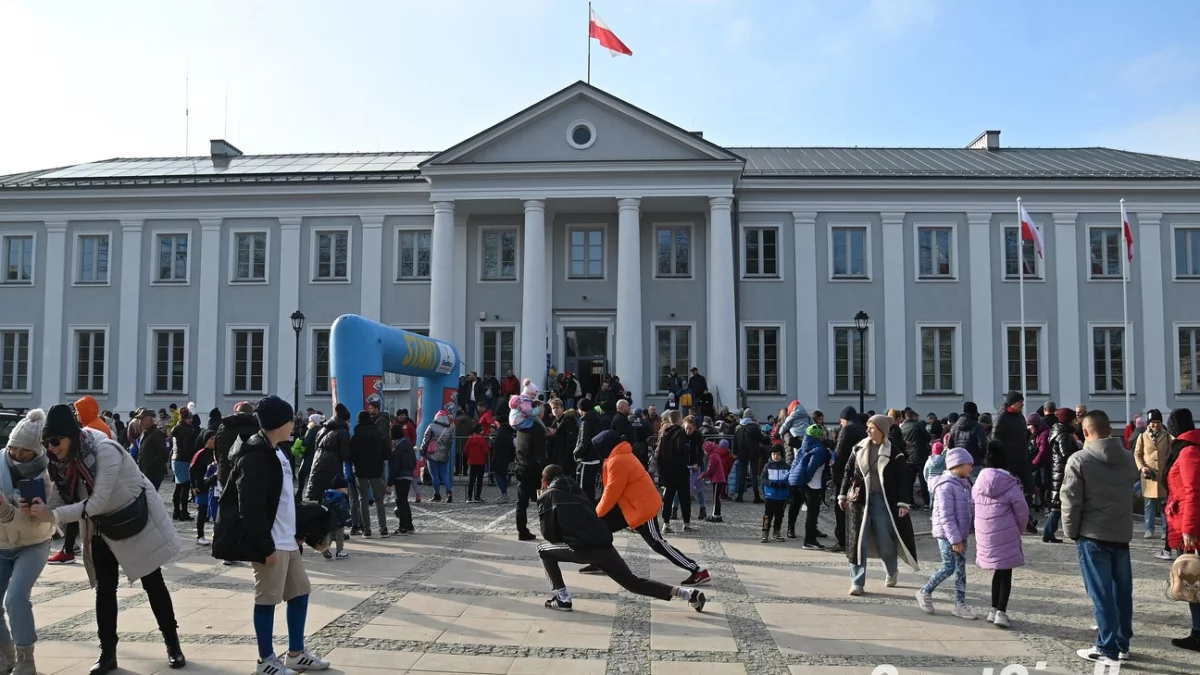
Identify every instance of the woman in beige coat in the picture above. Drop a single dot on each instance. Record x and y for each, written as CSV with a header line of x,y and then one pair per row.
x,y
1150,452
93,476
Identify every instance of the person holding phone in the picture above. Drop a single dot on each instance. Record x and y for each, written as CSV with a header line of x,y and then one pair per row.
x,y
24,541
124,524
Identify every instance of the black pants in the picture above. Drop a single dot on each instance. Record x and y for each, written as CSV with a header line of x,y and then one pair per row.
x,y
107,578
795,501
924,485
526,492
403,512
180,498
812,497
201,519
608,561
1001,589
773,514
589,474
72,533
652,535
839,518
677,484
747,473
475,481
718,494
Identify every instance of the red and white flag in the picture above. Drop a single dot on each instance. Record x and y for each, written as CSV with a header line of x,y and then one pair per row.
x,y
606,37
1127,232
1029,230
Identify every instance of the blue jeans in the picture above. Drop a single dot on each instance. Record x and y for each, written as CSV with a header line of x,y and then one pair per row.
x,y
1108,578
440,473
1051,525
952,563
19,570
1150,513
502,482
877,524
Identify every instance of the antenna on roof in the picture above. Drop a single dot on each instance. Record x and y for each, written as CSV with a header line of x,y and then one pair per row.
x,y
187,120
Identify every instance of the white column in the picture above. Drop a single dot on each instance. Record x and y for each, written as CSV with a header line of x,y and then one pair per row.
x,y
629,346
895,326
808,331
723,354
208,331
52,318
533,294
130,329
1070,356
461,272
981,352
371,277
1154,324
289,301
441,273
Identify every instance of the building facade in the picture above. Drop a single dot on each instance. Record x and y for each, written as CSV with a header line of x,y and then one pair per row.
x,y
585,234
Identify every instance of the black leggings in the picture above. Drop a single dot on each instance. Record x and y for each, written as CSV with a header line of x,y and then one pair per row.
x,y
475,481
1001,589
795,501
201,518
677,484
718,494
773,514
813,498
608,561
180,497
107,580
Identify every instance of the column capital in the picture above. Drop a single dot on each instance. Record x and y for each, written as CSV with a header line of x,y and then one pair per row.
x,y
1148,217
1065,218
979,219
892,217
629,204
372,221
290,222
55,225
804,217
534,205
132,225
209,223
443,207
716,203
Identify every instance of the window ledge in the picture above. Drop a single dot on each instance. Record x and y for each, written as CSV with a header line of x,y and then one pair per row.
x,y
248,282
843,396
674,277
1028,280
762,277
1186,280
166,394
13,392
939,395
170,282
330,281
28,284
937,279
856,280
85,393
600,278
1102,280
85,284
499,281
412,280
1115,395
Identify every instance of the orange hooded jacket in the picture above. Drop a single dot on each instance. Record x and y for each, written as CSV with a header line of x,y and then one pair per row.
x,y
626,484
89,415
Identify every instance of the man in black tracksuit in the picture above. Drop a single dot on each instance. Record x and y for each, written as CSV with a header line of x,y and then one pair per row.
x,y
748,442
853,432
587,461
575,534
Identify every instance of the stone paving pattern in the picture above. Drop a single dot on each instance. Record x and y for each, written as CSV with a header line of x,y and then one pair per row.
x,y
464,596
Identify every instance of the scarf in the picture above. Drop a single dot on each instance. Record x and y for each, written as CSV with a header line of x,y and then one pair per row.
x,y
79,466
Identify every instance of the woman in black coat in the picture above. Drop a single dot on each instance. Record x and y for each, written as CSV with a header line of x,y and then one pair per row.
x,y
504,451
1063,444
531,459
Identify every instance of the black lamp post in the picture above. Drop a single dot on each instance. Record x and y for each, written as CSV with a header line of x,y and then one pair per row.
x,y
860,323
297,325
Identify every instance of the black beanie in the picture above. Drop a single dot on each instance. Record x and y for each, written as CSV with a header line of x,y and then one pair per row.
x,y
338,482
848,413
341,412
1179,421
273,413
364,417
1154,415
1012,398
215,414
60,421
969,408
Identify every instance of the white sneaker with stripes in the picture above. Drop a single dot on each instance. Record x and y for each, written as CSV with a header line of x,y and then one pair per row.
x,y
305,661
273,666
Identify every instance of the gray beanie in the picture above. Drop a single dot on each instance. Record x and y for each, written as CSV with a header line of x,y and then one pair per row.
x,y
27,435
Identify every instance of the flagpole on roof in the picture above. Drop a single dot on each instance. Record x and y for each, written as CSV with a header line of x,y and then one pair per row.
x,y
589,41
1125,358
1021,283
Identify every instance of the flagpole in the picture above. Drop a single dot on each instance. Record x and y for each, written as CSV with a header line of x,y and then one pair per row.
x,y
589,40
1125,311
1021,282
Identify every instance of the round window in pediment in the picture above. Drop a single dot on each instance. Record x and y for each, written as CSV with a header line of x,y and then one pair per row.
x,y
581,134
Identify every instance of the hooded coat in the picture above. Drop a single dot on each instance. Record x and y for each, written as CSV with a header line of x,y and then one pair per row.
x,y
152,454
333,450
1097,491
1183,505
1062,446
810,461
628,485
233,427
952,507
897,491
439,435
89,415
1000,517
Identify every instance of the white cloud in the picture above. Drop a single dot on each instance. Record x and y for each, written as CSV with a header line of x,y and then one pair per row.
x,y
1175,134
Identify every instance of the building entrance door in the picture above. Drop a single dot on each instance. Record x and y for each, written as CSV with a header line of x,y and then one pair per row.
x,y
587,357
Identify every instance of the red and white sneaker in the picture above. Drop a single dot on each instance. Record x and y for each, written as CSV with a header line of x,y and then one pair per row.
x,y
697,579
61,558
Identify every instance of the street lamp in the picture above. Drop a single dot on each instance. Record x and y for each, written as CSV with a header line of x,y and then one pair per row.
x,y
297,325
860,323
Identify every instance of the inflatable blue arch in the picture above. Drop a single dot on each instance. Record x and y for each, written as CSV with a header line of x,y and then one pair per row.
x,y
361,350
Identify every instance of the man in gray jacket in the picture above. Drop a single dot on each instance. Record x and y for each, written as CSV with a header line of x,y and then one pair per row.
x,y
1096,494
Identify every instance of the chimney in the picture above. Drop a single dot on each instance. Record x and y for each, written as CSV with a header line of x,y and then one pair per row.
x,y
988,140
221,149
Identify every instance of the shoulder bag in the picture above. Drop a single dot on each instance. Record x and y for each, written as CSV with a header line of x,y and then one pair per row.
x,y
124,522
1184,585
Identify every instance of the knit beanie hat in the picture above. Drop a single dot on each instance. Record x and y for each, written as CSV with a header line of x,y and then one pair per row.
x,y
848,413
364,417
1154,415
724,443
1033,420
341,412
1139,422
969,408
1065,415
958,457
816,431
338,482
60,421
273,413
1013,397
937,448
1180,421
882,422
27,435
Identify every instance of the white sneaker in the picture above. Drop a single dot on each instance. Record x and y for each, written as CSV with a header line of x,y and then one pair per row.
x,y
305,661
856,590
1123,656
925,601
1147,535
1093,654
201,541
1001,620
667,529
273,666
1165,555
964,612
991,615
892,580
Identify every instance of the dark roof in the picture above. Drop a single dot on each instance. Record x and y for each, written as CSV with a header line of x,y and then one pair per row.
x,y
1044,163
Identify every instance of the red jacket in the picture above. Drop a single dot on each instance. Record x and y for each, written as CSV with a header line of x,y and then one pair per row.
x,y
410,431
487,420
1183,486
477,450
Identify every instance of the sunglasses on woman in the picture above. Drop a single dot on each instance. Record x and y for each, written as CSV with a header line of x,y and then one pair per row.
x,y
51,441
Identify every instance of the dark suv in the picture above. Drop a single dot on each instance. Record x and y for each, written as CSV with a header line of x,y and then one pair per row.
x,y
8,420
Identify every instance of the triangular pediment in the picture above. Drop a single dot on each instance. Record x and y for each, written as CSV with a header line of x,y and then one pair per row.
x,y
549,131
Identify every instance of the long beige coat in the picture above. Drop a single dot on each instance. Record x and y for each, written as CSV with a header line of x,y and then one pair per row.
x,y
1151,455
117,482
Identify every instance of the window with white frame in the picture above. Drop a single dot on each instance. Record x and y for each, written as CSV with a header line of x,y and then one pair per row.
x,y
937,359
1189,367
320,348
248,360
1104,246
333,255
89,360
673,352
14,360
172,258
394,382
170,361
499,255
93,259
851,352
1032,358
1187,253
761,250
673,251
762,359
935,252
496,350
18,259
849,252
1024,258
250,256
587,253
1108,360
414,254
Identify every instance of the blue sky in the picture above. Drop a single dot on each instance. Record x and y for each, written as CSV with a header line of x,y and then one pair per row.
x,y
90,80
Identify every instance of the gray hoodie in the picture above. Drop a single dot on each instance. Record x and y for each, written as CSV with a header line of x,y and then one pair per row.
x,y
1097,492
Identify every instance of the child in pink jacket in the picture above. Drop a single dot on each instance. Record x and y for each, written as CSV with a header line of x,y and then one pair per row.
x,y
715,474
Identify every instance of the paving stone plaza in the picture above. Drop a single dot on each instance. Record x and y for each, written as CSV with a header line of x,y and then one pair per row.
x,y
464,596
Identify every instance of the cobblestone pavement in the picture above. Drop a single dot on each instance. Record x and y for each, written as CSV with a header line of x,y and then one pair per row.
x,y
464,596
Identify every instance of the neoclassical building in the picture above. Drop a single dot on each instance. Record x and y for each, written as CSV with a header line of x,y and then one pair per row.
x,y
586,234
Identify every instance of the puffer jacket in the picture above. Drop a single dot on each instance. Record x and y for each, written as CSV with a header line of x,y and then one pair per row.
x,y
798,420
1000,517
969,434
775,480
747,441
628,485
1062,446
811,460
333,450
934,467
233,427
1183,503
435,444
1097,490
952,508
715,471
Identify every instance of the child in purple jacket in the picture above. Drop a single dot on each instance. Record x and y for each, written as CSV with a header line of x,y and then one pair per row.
x,y
952,516
1000,516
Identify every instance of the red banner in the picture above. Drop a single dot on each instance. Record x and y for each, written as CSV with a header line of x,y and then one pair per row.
x,y
372,390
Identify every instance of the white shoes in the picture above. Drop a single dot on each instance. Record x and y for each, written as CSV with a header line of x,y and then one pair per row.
x,y
925,601
201,541
305,661
1000,620
991,615
964,612
273,666
856,590
892,580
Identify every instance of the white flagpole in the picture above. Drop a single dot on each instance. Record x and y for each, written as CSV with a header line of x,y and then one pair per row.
x,y
1021,277
1125,357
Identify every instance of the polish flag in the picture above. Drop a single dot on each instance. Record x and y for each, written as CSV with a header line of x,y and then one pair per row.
x,y
1127,232
606,37
1029,230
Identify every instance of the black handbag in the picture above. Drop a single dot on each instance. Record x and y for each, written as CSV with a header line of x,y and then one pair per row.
x,y
125,522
